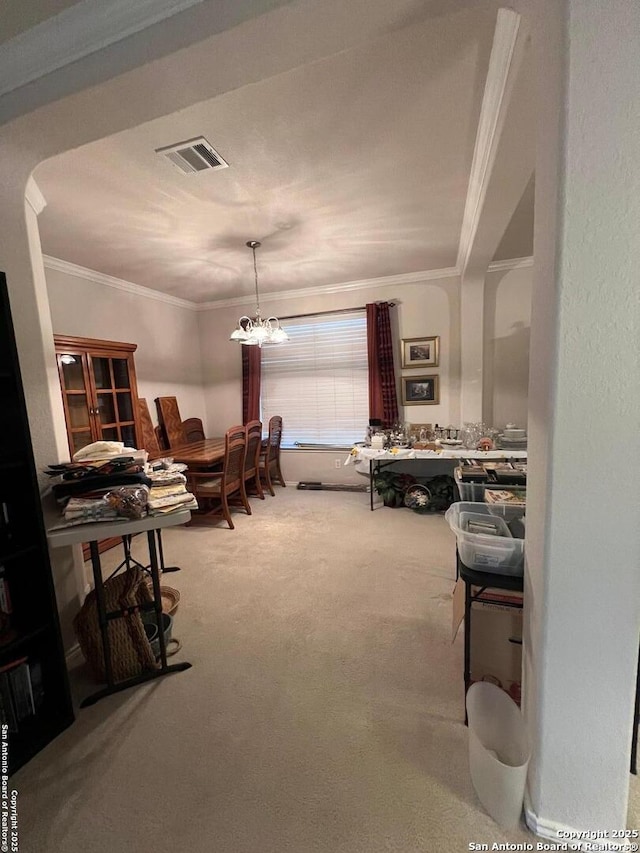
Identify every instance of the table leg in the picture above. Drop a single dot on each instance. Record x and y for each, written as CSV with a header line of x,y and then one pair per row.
x,y
164,568
149,675
102,610
467,645
371,483
157,595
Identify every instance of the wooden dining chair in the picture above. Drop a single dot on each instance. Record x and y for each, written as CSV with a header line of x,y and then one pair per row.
x,y
193,429
224,487
270,454
252,458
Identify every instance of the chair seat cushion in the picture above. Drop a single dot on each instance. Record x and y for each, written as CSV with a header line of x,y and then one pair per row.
x,y
208,486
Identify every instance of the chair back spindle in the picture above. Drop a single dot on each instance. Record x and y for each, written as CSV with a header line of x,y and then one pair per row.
x,y
211,487
252,457
270,455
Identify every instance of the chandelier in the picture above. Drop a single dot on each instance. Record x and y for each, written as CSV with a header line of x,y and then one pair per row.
x,y
256,331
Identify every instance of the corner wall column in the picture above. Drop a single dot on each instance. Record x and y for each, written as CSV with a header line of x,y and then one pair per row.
x,y
21,260
471,347
582,584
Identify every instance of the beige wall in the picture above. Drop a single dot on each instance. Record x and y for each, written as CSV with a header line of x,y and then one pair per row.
x,y
188,354
582,586
168,355
507,321
423,308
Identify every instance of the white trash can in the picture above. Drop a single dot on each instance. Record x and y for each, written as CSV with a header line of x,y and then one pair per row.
x,y
499,752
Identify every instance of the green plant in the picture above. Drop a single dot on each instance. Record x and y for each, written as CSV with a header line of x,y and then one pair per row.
x,y
391,486
442,490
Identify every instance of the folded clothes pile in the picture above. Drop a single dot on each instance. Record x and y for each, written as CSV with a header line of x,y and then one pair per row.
x,y
169,492
107,481
100,452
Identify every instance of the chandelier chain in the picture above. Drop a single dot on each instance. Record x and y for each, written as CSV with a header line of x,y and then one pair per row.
x,y
257,331
255,275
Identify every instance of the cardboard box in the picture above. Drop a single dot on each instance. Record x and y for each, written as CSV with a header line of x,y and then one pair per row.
x,y
496,635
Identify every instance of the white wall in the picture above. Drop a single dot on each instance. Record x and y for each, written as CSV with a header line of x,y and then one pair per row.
x,y
582,585
507,322
168,355
21,259
423,308
186,353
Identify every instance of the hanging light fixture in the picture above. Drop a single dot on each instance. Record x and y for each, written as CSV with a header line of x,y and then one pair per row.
x,y
256,331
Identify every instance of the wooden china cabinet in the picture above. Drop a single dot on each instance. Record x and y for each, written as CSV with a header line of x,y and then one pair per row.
x,y
98,381
100,394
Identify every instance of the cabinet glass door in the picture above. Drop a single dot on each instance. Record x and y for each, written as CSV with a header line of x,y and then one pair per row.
x,y
76,398
114,400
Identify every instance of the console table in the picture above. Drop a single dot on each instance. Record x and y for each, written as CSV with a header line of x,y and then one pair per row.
x,y
92,533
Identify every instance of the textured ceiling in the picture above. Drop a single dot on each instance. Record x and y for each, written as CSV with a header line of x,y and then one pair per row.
x,y
349,168
16,16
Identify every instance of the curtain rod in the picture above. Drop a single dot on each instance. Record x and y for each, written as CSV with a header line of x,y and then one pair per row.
x,y
322,313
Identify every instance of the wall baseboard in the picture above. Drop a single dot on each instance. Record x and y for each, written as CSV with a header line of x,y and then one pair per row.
x,y
319,486
550,830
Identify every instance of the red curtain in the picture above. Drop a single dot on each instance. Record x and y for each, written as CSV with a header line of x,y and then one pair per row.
x,y
251,365
383,397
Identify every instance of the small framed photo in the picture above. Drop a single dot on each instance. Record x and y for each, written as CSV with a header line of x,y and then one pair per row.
x,y
420,390
421,352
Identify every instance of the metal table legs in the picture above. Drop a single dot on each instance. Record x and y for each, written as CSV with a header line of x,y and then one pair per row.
x,y
104,618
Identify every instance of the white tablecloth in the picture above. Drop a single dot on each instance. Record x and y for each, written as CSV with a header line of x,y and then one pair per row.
x,y
360,456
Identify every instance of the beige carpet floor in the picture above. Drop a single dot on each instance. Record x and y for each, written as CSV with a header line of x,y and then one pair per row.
x,y
323,712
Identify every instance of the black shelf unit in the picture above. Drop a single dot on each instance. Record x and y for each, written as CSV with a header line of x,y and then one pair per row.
x,y
34,629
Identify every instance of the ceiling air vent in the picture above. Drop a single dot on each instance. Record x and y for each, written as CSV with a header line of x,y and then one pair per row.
x,y
194,155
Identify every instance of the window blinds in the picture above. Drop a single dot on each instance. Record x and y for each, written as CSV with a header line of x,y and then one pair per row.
x,y
318,382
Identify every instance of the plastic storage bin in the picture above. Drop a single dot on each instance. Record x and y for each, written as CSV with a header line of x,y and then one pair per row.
x,y
475,491
499,752
509,511
503,555
499,524
468,491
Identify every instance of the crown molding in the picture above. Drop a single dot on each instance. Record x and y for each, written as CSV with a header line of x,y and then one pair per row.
x,y
34,196
344,287
76,32
117,283
492,112
237,301
138,290
510,264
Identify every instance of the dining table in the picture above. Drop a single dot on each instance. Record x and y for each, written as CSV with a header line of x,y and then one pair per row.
x,y
199,454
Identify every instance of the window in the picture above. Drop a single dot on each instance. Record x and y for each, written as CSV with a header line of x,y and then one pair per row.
x,y
319,381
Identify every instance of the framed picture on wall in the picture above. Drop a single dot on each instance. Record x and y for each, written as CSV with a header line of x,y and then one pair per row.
x,y
420,390
421,352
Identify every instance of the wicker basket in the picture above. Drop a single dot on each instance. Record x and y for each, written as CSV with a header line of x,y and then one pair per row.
x,y
131,652
417,498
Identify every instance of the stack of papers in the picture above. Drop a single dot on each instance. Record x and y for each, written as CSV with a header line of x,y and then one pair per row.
x,y
505,496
